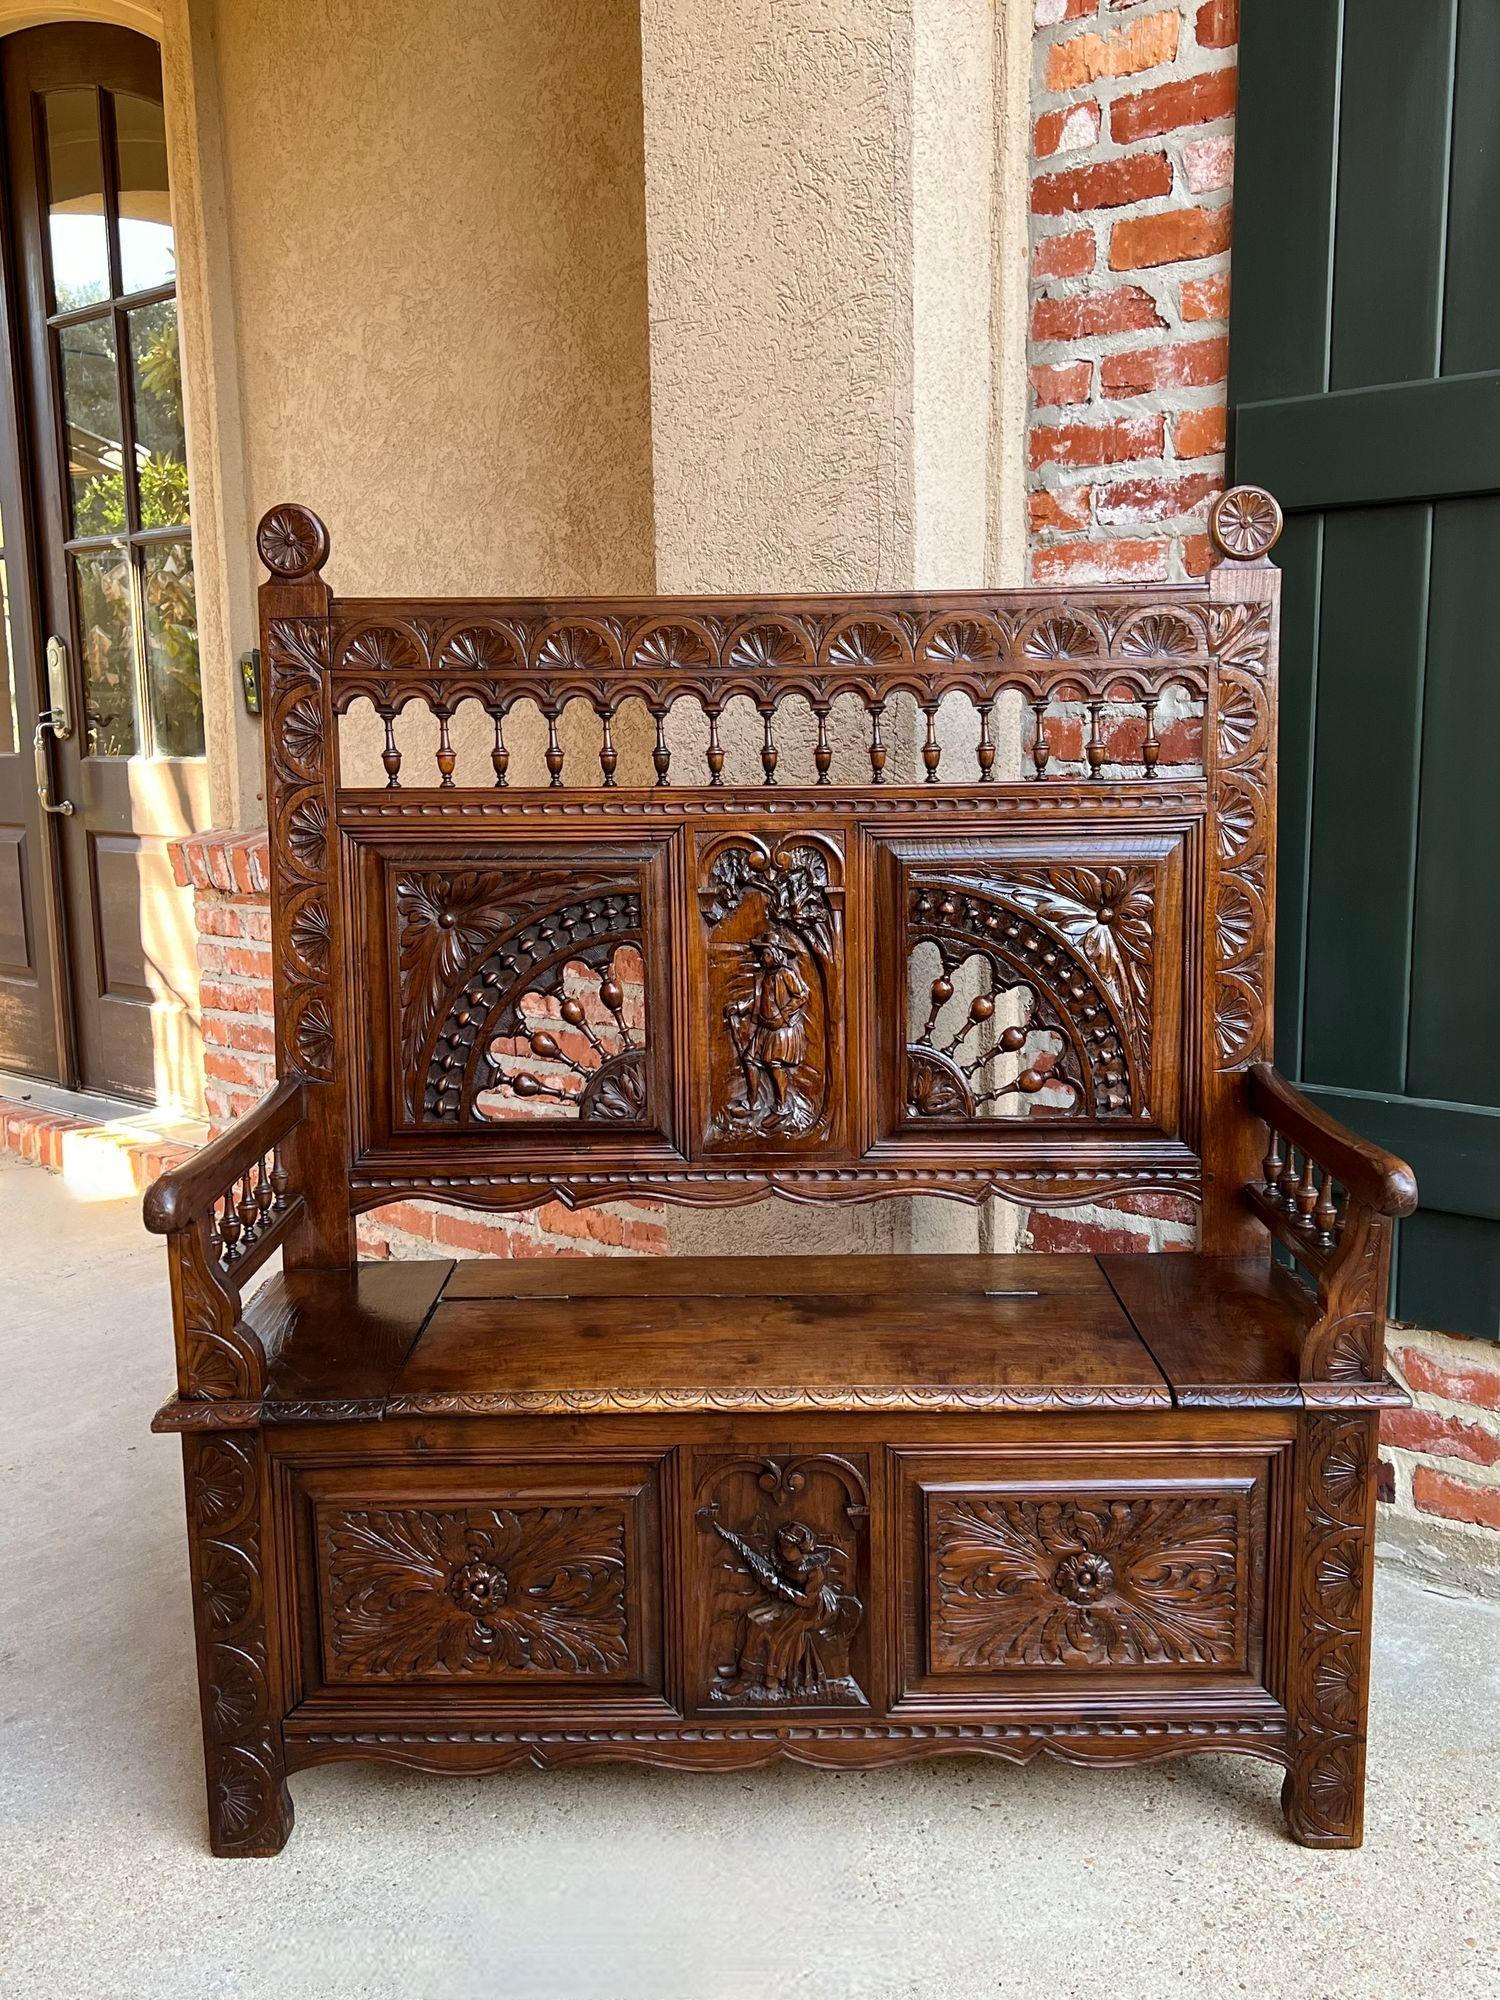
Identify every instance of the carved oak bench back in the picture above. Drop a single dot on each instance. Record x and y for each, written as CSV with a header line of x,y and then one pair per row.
x,y
989,911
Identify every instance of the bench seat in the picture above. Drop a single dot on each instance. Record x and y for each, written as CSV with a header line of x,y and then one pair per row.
x,y
502,1337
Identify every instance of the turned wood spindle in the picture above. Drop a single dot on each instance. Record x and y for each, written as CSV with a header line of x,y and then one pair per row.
x,y
246,1207
390,756
1326,1214
1290,1179
822,753
1094,749
986,751
609,756
553,755
877,745
1270,1168
661,756
499,755
447,756
1150,749
768,757
1307,1191
932,753
281,1180
229,1228
263,1194
1041,749
715,747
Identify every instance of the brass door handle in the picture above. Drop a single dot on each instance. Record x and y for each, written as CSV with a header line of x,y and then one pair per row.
x,y
45,721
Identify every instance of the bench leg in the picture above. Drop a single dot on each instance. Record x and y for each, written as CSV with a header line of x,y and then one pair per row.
x,y
249,1807
1329,1663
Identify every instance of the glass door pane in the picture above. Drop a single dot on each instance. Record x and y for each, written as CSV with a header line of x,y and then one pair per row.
x,y
77,235
147,254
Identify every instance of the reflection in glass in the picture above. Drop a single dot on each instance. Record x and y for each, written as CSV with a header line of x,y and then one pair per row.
x,y
172,651
10,730
156,387
75,199
91,414
104,628
146,251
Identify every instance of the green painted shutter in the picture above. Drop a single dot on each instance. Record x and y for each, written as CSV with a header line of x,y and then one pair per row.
x,y
1365,394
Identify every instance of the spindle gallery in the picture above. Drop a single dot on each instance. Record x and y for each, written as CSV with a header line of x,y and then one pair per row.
x,y
980,906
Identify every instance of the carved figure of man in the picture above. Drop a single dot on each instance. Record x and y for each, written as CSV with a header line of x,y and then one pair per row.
x,y
794,1643
767,1023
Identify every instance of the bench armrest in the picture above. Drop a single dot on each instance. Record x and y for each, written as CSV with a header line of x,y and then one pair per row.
x,y
1331,1199
223,1212
187,1193
1367,1172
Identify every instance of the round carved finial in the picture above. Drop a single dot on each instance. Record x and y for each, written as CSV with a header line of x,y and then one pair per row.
x,y
1245,524
292,542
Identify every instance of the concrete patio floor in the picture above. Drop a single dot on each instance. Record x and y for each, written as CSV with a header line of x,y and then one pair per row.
x,y
952,1880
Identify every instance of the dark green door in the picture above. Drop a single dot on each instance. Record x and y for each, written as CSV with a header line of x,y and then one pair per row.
x,y
1365,393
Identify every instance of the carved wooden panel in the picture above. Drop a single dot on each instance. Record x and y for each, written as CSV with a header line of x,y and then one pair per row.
x,y
1324,1794
1020,1567
522,988
1097,1581
1044,986
780,1609
516,1591
772,995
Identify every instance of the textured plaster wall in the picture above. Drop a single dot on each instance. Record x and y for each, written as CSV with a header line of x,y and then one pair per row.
x,y
832,195
437,245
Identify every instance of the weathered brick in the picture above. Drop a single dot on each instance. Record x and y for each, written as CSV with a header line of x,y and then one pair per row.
x,y
1066,130
1465,1381
250,1035
1120,309
1109,184
1065,509
1208,164
1217,24
226,996
1050,12
1114,442
1199,433
1184,364
1122,52
1197,555
1052,1232
1455,1499
1126,503
1068,255
1190,100
1067,382
1141,242
1103,562
1440,1436
1205,298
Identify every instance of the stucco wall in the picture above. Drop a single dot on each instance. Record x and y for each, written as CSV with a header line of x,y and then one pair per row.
x,y
435,234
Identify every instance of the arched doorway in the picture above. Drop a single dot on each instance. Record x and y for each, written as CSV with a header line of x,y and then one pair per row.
x,y
101,713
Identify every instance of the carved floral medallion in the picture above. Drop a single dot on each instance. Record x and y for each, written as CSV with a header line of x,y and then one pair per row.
x,y
1037,1583
486,1592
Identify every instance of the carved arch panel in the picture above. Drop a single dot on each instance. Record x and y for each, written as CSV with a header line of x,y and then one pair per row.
x,y
1023,983
521,990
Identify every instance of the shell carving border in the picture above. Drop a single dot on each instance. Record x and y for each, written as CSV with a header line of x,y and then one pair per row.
x,y
299,732
717,649
1242,722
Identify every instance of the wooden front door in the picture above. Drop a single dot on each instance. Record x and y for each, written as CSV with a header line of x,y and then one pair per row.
x,y
107,662
1365,391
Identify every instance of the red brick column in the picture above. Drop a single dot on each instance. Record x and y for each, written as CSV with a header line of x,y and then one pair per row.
x,y
1132,159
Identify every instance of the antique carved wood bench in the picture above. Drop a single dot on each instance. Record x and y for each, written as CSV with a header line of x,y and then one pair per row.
x,y
698,900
